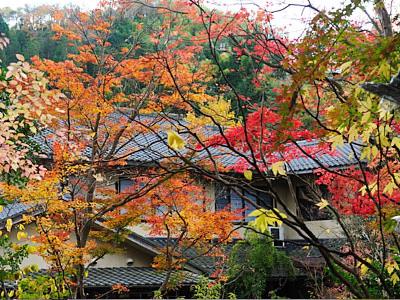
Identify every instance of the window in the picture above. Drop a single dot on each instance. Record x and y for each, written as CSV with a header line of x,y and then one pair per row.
x,y
307,200
227,197
123,184
222,46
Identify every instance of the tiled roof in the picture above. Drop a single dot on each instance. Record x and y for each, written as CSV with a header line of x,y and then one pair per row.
x,y
13,210
306,257
134,277
344,156
200,263
152,147
296,248
128,276
301,256
206,263
147,148
16,210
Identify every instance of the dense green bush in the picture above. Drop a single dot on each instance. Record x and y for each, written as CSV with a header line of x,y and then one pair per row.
x,y
254,264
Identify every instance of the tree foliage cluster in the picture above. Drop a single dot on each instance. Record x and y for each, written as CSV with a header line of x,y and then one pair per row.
x,y
207,85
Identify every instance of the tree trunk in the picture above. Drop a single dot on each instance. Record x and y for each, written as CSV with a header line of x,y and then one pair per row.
x,y
81,238
384,18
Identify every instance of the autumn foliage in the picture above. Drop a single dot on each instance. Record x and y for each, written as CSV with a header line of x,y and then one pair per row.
x,y
184,82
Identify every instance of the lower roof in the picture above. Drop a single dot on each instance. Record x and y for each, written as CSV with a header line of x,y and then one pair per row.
x,y
135,277
131,277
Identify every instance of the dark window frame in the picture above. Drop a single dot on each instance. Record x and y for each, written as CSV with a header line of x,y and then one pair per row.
x,y
307,208
118,183
227,194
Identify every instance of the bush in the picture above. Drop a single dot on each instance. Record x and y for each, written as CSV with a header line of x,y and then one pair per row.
x,y
253,263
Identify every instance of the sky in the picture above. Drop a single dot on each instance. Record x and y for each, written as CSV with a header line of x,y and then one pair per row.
x,y
289,18
231,4
87,4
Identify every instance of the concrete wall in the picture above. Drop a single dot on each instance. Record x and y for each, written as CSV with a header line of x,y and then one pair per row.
x,y
323,229
138,256
32,258
123,253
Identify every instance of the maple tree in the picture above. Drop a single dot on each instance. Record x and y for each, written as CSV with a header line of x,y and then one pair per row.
x,y
95,129
105,91
188,223
322,100
23,95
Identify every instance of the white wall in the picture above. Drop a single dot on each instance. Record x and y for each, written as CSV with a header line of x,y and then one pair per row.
x,y
323,229
117,259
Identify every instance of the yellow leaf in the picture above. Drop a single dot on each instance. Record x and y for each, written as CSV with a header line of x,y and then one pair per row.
x,y
363,190
384,70
265,218
322,204
396,142
257,212
31,249
9,224
248,174
11,293
21,235
353,133
98,177
373,188
394,278
1,208
368,103
365,118
34,268
389,188
218,108
363,268
345,67
336,141
278,168
374,152
390,269
391,265
366,153
175,141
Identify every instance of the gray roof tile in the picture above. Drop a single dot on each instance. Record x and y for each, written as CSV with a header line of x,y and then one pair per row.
x,y
129,276
134,277
342,157
13,210
153,147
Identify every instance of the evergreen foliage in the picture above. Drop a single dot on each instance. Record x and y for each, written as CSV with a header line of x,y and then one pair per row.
x,y
253,265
